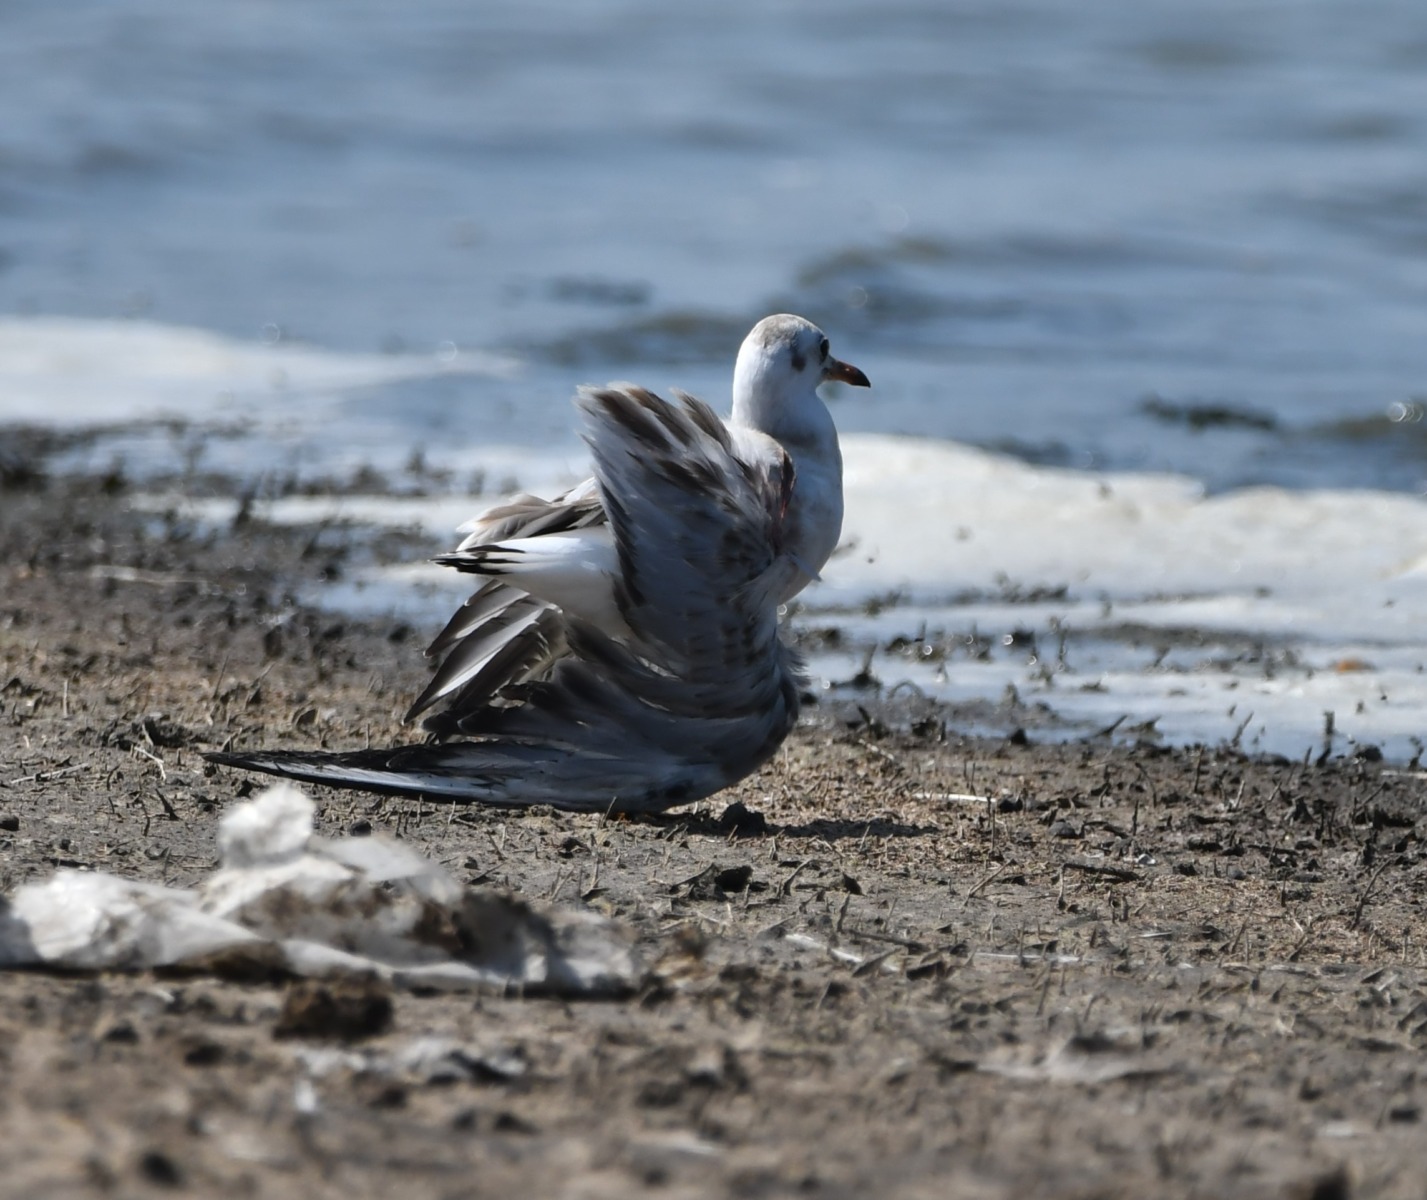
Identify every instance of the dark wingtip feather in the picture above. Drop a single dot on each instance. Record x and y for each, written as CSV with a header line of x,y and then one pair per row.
x,y
271,762
325,768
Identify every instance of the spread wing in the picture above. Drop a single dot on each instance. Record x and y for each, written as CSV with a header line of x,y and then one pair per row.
x,y
701,693
698,531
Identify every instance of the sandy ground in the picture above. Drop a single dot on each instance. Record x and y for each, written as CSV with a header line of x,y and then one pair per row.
x,y
936,966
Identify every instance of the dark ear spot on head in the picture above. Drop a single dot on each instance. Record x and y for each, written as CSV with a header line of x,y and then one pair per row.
x,y
799,362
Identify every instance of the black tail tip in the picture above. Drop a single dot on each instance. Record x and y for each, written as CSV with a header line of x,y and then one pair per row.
x,y
273,763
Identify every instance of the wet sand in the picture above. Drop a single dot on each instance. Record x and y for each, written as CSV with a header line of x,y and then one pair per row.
x,y
925,965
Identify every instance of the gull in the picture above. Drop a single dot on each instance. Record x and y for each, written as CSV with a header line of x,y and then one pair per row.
x,y
623,652
548,560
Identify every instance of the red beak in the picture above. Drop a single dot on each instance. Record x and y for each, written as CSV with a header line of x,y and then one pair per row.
x,y
845,373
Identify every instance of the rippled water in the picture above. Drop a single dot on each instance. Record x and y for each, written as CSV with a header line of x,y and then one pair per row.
x,y
1148,235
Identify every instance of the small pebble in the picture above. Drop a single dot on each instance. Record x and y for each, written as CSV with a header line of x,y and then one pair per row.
x,y
158,1168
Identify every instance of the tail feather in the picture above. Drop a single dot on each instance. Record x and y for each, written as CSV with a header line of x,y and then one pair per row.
x,y
505,773
584,740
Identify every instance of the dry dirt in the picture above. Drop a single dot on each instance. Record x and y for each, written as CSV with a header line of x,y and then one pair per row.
x,y
921,965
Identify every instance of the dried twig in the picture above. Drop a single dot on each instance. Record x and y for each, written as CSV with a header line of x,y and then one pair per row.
x,y
987,880
46,776
1367,893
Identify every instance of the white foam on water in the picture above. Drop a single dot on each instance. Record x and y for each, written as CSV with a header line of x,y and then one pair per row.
x,y
1255,612
167,400
1134,598
934,516
74,372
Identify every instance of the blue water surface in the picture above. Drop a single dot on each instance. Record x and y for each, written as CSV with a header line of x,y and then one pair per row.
x,y
1110,235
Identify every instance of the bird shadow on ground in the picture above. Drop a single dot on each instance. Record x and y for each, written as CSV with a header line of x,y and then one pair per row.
x,y
751,823
834,831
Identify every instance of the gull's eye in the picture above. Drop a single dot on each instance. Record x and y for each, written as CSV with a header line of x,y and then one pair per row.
x,y
822,348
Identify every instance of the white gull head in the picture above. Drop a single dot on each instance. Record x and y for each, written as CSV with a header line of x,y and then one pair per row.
x,y
775,380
